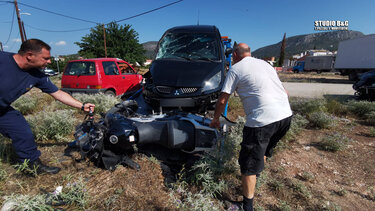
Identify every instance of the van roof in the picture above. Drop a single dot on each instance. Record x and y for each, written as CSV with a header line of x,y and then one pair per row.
x,y
194,28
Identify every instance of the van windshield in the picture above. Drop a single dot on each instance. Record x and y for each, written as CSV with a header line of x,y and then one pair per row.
x,y
190,46
80,68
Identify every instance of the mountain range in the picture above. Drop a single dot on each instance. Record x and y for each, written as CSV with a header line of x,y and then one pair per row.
x,y
294,45
300,43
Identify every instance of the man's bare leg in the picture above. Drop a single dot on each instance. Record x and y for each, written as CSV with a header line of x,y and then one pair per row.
x,y
248,190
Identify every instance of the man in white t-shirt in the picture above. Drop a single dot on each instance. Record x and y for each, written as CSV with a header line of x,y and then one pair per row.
x,y
268,113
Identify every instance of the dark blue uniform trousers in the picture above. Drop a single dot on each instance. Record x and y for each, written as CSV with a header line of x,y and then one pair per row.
x,y
14,126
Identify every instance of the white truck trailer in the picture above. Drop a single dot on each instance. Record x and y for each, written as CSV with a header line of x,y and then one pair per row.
x,y
356,56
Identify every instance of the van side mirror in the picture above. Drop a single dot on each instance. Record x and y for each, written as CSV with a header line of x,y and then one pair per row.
x,y
228,51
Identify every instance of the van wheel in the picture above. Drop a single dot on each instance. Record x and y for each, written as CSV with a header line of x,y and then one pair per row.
x,y
110,92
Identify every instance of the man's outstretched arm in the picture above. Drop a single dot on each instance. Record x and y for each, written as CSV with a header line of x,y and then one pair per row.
x,y
69,100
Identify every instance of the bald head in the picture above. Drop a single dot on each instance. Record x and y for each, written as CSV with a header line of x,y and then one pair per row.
x,y
241,51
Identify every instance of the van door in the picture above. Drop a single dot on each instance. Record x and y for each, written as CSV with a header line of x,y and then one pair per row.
x,y
132,79
79,75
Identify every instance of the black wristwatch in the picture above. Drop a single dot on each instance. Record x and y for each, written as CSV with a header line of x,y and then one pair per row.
x,y
83,106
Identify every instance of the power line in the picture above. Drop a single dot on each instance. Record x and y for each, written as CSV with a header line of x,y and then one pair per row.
x,y
74,30
47,30
11,27
55,13
167,5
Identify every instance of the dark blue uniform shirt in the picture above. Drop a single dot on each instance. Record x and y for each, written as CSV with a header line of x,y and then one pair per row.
x,y
15,82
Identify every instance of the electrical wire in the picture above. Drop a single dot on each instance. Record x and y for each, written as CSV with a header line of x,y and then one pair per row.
x,y
48,30
167,5
55,13
74,30
11,27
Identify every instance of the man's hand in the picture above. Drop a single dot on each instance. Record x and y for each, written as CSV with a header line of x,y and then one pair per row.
x,y
219,108
88,107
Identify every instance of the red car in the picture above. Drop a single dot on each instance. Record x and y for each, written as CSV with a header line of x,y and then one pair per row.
x,y
106,75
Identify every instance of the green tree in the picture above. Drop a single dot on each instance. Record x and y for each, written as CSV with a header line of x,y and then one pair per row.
x,y
282,52
121,41
62,62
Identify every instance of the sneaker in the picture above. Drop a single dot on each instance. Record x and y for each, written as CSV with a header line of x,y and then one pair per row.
x,y
41,168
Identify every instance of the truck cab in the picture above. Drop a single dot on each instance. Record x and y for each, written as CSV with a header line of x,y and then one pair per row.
x,y
299,67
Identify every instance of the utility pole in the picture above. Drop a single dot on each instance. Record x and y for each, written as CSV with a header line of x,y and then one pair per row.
x,y
105,44
20,24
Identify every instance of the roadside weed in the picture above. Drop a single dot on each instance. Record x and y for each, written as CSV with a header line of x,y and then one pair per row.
x,y
27,203
336,108
102,102
361,108
276,185
261,179
307,176
372,132
3,173
301,189
305,106
334,142
75,193
321,120
52,125
284,206
24,167
26,104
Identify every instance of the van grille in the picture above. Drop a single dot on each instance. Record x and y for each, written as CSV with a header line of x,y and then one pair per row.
x,y
183,90
188,90
164,89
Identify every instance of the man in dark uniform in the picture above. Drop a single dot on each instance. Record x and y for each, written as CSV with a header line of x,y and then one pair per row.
x,y
18,74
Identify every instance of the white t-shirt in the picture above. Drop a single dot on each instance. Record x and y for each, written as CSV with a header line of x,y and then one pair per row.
x,y
263,96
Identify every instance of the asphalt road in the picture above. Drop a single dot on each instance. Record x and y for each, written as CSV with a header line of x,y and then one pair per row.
x,y
318,90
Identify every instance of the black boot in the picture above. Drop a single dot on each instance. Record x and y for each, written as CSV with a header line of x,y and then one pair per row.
x,y
41,168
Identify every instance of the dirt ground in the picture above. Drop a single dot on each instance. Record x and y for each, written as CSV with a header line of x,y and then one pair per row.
x,y
298,177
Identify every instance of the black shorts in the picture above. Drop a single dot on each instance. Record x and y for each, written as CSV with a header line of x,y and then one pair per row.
x,y
259,142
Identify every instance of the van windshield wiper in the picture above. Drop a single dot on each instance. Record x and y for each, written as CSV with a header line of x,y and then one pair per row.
x,y
205,59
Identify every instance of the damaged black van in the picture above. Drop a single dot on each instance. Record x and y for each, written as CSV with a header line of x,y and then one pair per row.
x,y
188,71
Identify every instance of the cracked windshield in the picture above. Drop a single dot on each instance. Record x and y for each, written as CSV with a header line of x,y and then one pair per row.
x,y
188,46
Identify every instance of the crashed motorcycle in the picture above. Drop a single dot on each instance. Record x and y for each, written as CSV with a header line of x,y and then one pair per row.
x,y
109,141
365,86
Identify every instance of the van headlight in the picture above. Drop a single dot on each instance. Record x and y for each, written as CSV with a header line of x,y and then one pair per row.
x,y
212,83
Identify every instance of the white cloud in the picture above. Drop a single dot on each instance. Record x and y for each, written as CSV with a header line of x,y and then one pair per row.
x,y
16,40
5,46
60,43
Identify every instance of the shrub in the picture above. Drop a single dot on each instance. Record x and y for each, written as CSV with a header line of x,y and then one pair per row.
x,y
334,142
75,193
204,174
370,118
52,125
102,102
26,202
306,106
372,132
186,200
361,108
336,108
26,104
321,120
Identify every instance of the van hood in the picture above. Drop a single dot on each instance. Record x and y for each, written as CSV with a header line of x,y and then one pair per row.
x,y
180,73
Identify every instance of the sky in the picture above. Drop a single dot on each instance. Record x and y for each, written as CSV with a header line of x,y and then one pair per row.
x,y
256,22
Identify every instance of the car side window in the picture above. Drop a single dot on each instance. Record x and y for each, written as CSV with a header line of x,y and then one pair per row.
x,y
80,68
110,68
125,68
